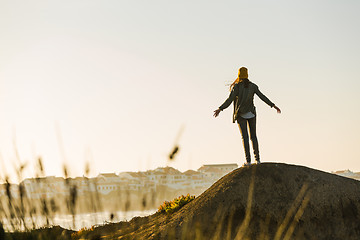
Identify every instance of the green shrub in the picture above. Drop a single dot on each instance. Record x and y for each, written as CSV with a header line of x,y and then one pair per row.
x,y
174,205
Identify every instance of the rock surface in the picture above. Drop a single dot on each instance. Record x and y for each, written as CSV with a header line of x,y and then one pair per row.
x,y
267,201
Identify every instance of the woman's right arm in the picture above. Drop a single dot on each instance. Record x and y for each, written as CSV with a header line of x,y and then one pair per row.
x,y
228,101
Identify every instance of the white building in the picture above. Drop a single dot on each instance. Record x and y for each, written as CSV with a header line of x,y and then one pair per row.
x,y
197,179
108,182
167,176
349,174
216,171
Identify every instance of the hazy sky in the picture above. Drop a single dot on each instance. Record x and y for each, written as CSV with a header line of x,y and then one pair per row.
x,y
112,82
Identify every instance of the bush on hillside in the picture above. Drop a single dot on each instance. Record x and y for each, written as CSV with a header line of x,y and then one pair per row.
x,y
176,204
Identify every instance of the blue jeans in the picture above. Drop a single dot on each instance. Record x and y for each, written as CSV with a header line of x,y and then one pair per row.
x,y
243,123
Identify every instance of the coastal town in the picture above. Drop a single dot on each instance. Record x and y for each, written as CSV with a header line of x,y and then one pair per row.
x,y
106,183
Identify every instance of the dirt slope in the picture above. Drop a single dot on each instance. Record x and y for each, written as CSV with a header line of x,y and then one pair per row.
x,y
269,200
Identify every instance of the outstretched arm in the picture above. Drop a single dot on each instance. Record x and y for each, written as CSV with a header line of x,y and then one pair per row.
x,y
228,101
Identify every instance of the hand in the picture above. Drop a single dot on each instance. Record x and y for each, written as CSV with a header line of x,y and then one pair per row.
x,y
216,112
277,109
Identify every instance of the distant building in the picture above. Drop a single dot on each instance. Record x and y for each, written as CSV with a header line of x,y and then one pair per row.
x,y
349,174
196,179
222,167
82,184
108,182
111,177
167,176
216,171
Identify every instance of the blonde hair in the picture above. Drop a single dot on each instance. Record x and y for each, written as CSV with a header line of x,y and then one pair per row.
x,y
233,84
242,77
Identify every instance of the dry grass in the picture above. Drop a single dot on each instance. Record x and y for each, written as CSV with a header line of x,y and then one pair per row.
x,y
16,211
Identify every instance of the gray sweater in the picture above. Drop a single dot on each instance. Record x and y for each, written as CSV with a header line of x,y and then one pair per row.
x,y
243,99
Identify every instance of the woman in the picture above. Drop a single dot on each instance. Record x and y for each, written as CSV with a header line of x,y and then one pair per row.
x,y
242,94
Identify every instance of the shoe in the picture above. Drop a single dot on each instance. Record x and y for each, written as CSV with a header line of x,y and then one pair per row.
x,y
257,162
246,164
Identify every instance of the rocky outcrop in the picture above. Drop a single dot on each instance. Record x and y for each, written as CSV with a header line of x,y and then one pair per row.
x,y
268,201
